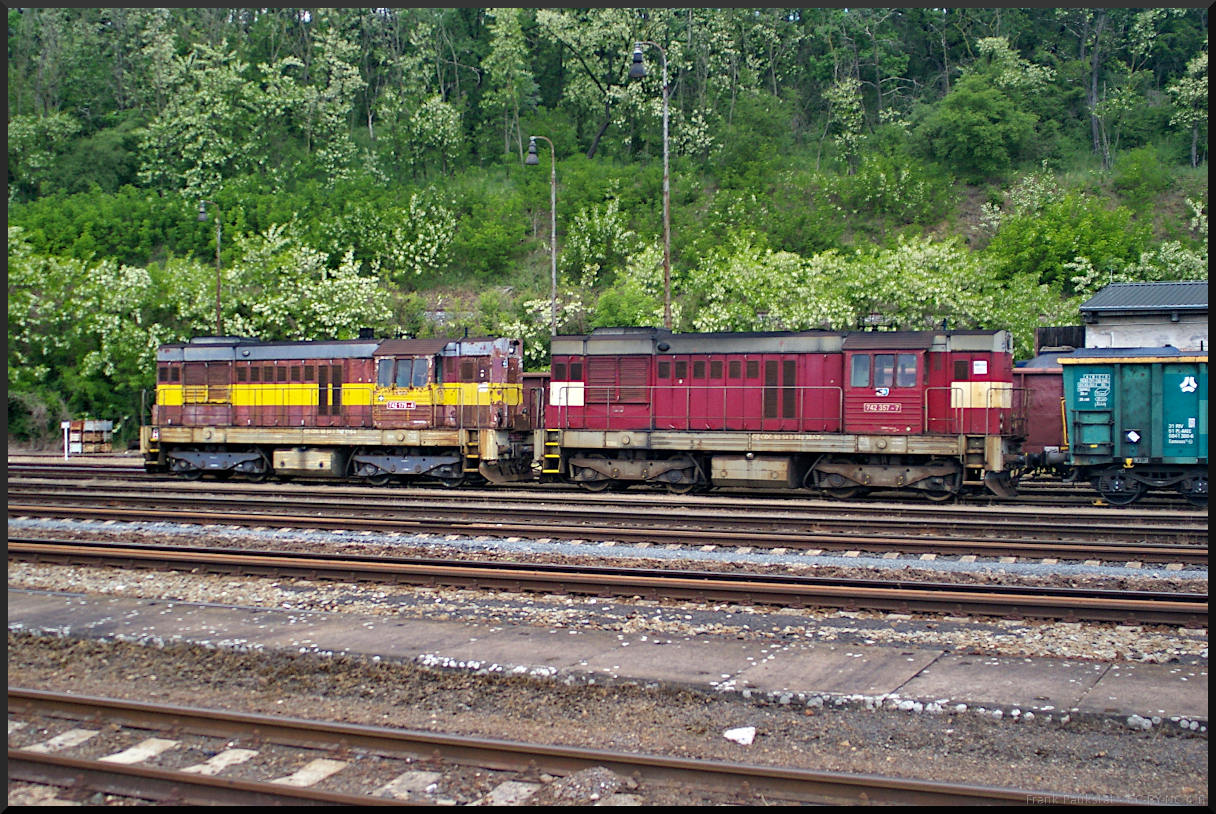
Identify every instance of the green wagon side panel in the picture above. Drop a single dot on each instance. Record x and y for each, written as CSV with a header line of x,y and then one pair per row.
x,y
1146,411
1184,406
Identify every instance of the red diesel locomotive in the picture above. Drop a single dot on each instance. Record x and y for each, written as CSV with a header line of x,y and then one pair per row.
x,y
838,412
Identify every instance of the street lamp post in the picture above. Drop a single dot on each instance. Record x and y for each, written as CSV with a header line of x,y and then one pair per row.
x,y
534,159
219,227
638,71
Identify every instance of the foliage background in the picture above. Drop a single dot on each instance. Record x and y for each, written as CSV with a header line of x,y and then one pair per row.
x,y
883,168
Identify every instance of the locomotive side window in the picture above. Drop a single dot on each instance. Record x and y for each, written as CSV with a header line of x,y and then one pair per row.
x,y
860,375
960,370
438,370
884,369
736,369
175,374
664,370
905,370
384,373
576,371
162,374
559,371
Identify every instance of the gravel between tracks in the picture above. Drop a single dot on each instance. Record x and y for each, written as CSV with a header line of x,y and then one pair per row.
x,y
1083,757
1105,641
1100,758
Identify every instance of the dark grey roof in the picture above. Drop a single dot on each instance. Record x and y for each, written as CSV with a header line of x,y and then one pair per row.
x,y
1150,297
1118,353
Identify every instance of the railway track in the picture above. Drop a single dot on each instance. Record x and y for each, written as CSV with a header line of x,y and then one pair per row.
x,y
1044,494
993,533
746,589
439,753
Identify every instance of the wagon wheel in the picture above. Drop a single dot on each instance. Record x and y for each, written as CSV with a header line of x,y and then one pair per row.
x,y
601,485
1198,493
383,479
190,474
1122,490
939,495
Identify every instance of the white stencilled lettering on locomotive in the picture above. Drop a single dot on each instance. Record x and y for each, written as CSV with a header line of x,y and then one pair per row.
x,y
401,405
881,407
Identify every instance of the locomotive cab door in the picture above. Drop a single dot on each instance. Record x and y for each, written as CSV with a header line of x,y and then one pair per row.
x,y
884,392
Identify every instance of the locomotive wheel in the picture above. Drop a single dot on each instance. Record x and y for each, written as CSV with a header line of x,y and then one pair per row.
x,y
190,474
257,477
681,488
940,496
452,483
603,484
842,492
380,480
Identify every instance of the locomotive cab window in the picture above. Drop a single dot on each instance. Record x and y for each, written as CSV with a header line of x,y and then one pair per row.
x,y
421,373
384,374
405,372
860,373
905,370
884,370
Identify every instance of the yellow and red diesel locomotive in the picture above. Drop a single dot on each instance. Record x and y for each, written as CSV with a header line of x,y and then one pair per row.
x,y
374,409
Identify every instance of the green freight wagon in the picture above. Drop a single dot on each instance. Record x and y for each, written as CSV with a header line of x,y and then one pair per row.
x,y
1137,419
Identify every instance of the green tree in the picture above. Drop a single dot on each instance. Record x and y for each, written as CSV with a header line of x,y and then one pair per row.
x,y
1039,245
511,87
1190,94
978,130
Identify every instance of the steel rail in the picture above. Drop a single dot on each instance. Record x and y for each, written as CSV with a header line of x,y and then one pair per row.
x,y
168,787
739,588
1033,495
686,533
722,510
782,783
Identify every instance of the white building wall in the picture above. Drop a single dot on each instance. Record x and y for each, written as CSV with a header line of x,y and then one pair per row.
x,y
1189,333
